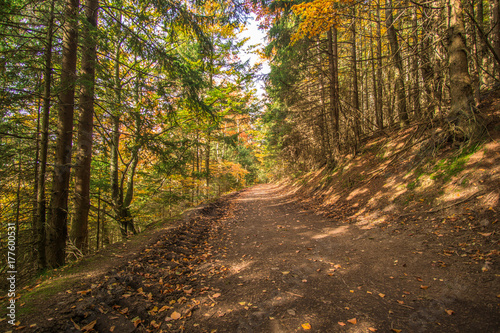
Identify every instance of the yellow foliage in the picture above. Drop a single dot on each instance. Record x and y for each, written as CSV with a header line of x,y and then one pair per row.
x,y
317,17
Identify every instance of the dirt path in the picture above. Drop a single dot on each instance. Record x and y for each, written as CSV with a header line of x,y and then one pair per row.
x,y
258,262
288,268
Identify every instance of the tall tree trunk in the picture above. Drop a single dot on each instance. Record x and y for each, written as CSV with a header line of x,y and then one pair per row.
x,y
116,193
480,46
374,80
334,92
355,92
415,66
57,228
41,201
495,9
398,65
461,117
380,113
79,229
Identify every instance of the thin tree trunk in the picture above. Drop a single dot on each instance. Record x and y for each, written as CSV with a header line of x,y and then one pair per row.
x,y
495,9
57,229
98,219
380,112
207,163
41,200
415,67
79,228
116,193
334,96
355,92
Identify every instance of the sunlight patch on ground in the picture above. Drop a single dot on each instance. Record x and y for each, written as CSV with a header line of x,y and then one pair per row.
x,y
369,220
235,269
490,200
356,192
331,232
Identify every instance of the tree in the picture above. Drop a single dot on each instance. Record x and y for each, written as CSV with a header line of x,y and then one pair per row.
x,y
79,228
57,228
461,117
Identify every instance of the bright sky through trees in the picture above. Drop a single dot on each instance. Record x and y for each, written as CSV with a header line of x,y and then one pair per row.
x,y
257,38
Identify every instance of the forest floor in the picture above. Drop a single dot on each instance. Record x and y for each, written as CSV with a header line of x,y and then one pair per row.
x,y
258,261
403,237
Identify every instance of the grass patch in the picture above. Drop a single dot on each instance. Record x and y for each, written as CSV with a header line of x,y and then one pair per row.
x,y
443,170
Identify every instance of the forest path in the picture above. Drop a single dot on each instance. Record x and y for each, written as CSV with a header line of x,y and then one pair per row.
x,y
288,269
257,261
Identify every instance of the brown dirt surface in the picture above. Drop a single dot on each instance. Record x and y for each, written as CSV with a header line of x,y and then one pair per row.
x,y
259,262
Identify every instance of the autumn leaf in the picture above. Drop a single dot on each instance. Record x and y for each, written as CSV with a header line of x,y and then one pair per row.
x,y
371,329
89,326
175,315
112,328
216,295
381,295
242,303
136,321
424,287
396,330
450,312
306,326
353,321
341,323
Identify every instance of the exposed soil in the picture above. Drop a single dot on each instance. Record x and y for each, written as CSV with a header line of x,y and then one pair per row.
x,y
259,261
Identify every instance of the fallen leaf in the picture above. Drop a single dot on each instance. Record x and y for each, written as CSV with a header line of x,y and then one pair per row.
x,y
401,302
381,295
352,321
341,323
396,330
175,315
450,312
424,287
485,234
89,326
163,308
371,329
242,303
136,321
306,326
285,272
112,328
216,295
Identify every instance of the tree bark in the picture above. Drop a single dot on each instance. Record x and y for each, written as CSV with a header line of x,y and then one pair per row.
x,y
495,9
355,92
79,229
334,95
461,117
41,201
398,65
380,113
57,229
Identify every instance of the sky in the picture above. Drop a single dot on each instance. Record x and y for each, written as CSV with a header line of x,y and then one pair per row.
x,y
256,37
